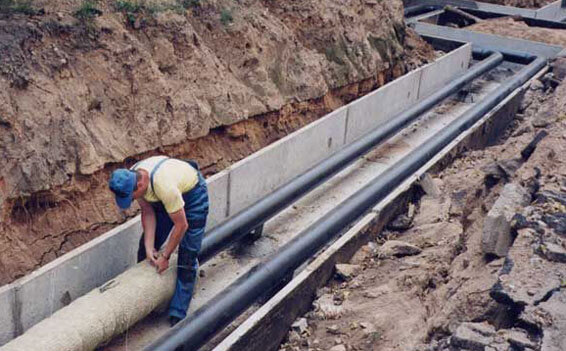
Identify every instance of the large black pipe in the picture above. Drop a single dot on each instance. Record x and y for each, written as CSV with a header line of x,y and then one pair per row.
x,y
196,330
242,223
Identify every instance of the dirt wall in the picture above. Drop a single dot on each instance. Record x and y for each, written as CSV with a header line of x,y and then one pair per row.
x,y
86,87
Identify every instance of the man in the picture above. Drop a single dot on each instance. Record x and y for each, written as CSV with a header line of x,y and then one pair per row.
x,y
173,198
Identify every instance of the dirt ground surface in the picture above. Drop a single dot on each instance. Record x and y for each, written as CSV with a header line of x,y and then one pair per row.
x,y
534,4
86,88
515,28
431,283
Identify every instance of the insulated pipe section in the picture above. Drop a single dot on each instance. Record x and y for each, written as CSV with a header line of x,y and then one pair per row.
x,y
242,223
196,330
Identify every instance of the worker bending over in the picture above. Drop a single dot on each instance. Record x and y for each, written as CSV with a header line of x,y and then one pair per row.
x,y
173,198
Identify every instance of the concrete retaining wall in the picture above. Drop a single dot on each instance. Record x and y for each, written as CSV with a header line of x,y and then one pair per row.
x,y
36,296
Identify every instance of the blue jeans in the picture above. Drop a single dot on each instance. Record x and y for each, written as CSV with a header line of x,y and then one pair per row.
x,y
196,211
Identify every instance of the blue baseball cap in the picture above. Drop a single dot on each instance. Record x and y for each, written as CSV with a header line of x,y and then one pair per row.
x,y
122,183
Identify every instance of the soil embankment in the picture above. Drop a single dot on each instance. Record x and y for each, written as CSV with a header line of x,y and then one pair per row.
x,y
86,86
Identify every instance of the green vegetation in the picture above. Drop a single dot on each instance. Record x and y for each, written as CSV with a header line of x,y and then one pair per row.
x,y
226,17
88,10
17,6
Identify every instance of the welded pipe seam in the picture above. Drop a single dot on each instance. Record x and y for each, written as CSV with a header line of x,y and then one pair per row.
x,y
196,330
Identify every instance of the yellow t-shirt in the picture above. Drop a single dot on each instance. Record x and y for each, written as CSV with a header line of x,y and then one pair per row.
x,y
172,179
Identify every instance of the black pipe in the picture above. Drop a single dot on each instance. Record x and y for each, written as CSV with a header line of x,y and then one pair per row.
x,y
245,221
196,330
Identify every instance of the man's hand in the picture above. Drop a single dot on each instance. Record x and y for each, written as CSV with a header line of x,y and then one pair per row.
x,y
162,263
152,256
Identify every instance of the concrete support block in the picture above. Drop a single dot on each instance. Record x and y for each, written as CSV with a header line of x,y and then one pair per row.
x,y
264,171
7,327
56,284
497,237
436,74
378,107
218,198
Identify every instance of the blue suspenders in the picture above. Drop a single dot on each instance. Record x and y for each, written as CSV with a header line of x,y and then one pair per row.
x,y
152,171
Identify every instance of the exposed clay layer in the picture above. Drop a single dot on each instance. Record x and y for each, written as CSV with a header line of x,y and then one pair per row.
x,y
214,82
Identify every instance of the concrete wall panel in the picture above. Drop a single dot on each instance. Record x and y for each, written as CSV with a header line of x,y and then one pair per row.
x,y
7,328
386,102
264,171
218,197
379,106
446,68
51,287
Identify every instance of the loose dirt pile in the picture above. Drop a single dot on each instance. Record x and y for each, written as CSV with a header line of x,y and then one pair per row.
x,y
85,85
428,284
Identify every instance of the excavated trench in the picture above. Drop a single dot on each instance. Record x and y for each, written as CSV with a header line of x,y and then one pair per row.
x,y
427,279
426,282
164,81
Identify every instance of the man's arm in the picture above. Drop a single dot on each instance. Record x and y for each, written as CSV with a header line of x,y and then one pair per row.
x,y
180,226
149,225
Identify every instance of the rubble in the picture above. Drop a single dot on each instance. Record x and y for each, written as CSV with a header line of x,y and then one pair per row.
x,y
473,336
301,325
347,271
396,248
430,185
553,336
553,252
497,236
519,339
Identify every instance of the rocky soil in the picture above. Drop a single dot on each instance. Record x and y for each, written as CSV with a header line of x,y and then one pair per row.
x,y
434,282
86,86
535,4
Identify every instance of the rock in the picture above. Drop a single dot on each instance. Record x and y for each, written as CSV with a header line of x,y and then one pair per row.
x,y
347,271
458,203
548,195
401,223
398,249
497,236
553,252
325,309
556,221
543,119
338,348
294,337
536,85
529,149
498,347
553,336
473,336
432,210
333,329
531,279
519,339
510,167
429,185
301,325
502,169
558,68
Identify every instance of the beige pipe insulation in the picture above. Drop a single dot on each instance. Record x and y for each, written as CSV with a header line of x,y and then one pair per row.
x,y
103,313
